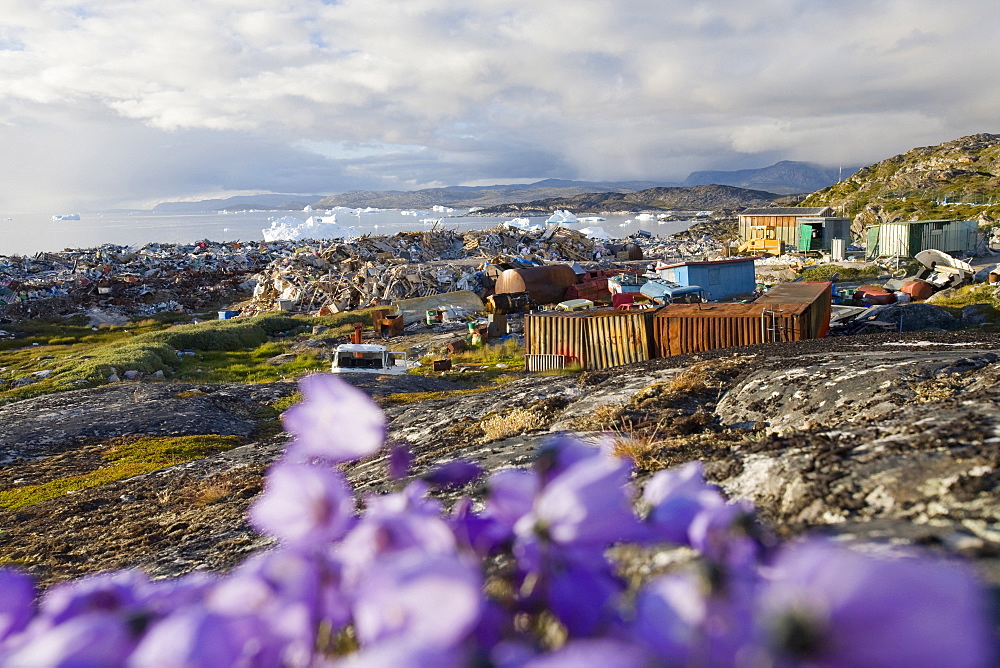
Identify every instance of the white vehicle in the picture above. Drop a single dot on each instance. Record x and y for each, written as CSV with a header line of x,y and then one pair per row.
x,y
370,358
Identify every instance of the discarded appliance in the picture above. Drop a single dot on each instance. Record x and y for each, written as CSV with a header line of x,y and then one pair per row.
x,y
415,310
574,305
596,339
942,270
623,283
370,358
664,292
720,279
508,302
226,315
795,311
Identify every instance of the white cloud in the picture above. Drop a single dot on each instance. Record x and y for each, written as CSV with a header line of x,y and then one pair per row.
x,y
461,92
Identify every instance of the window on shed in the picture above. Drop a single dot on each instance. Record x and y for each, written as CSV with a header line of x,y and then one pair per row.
x,y
938,228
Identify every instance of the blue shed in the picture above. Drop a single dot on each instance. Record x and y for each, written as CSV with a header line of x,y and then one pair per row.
x,y
720,279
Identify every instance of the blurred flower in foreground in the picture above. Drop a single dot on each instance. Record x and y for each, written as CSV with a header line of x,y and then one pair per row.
x,y
336,421
456,473
304,503
17,604
833,606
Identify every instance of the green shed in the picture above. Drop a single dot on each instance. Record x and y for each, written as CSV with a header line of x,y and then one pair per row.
x,y
907,238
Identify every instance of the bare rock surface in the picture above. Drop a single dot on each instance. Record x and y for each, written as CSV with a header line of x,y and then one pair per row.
x,y
892,437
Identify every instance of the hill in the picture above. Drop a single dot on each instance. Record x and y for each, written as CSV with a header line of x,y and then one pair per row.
x,y
958,179
787,177
263,201
477,196
710,197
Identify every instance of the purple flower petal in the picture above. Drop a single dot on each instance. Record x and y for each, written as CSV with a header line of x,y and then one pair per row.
x,y
194,638
455,473
586,505
668,614
17,602
831,605
304,503
432,601
336,421
95,639
594,653
400,460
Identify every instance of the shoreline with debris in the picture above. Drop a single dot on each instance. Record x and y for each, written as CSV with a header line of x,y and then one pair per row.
x,y
366,271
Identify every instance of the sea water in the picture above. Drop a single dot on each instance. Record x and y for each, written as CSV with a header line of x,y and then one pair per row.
x,y
27,234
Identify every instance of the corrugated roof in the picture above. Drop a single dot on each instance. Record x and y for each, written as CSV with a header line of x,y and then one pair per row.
x,y
788,211
802,292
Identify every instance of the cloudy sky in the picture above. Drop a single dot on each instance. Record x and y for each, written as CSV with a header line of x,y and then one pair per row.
x,y
111,103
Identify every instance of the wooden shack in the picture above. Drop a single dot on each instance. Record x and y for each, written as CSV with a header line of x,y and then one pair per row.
x,y
785,221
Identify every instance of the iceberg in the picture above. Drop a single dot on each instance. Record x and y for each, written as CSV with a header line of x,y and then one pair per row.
x,y
67,216
596,233
519,223
560,217
291,228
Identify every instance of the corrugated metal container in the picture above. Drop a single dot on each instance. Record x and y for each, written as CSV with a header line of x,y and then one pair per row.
x,y
545,285
596,339
795,312
907,238
817,296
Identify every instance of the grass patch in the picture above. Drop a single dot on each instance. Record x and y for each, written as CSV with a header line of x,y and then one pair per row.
x,y
126,458
403,398
826,272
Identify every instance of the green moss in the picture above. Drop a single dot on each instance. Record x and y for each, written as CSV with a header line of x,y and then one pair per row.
x,y
125,460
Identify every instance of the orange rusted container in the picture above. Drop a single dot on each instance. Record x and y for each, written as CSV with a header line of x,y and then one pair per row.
x,y
789,312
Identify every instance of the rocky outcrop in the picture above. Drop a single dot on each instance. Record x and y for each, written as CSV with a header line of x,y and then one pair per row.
x,y
889,437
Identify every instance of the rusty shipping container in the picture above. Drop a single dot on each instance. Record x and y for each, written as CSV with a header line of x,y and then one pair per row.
x,y
595,339
789,312
545,285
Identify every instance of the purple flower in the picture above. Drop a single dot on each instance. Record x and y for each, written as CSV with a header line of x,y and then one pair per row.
x,y
584,598
94,639
104,592
560,453
594,653
432,601
586,505
675,498
400,460
456,473
17,604
194,638
336,421
304,503
394,523
669,612
829,605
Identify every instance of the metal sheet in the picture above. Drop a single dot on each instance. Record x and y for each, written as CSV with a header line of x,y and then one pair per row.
x,y
597,339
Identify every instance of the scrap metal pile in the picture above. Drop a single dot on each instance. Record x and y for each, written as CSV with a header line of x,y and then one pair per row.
x,y
155,278
304,276
370,271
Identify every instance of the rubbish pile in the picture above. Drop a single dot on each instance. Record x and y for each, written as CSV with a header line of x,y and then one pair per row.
x,y
371,270
157,277
306,275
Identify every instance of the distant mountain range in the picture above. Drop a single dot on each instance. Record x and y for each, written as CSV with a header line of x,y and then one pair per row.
x,y
678,198
782,178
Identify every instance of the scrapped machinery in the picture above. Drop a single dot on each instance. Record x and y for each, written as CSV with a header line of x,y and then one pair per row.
x,y
763,241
